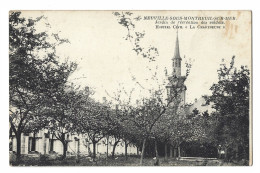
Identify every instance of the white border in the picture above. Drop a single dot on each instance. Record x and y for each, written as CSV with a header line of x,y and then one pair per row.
x,y
128,5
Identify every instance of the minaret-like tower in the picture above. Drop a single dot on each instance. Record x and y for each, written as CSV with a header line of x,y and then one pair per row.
x,y
176,81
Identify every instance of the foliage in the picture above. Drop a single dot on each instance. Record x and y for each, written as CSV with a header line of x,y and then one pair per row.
x,y
231,101
126,19
41,97
34,77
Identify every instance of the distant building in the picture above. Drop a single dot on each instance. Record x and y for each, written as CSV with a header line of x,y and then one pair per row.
x,y
176,80
45,143
201,106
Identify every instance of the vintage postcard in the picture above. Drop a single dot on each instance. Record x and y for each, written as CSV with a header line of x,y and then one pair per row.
x,y
130,88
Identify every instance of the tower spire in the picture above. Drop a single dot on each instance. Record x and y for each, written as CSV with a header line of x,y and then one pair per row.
x,y
176,60
177,49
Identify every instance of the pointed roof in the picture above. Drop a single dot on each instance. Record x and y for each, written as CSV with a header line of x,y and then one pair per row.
x,y
177,49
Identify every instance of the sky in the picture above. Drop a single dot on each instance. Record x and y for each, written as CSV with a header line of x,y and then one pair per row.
x,y
106,61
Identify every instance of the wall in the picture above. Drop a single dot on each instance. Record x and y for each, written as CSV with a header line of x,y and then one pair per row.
x,y
43,145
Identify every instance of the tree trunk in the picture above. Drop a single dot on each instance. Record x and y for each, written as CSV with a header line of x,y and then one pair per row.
x,y
77,159
114,148
174,153
171,147
18,146
179,152
34,142
126,145
94,150
78,146
156,150
157,163
237,151
165,152
89,150
65,147
142,154
225,156
107,149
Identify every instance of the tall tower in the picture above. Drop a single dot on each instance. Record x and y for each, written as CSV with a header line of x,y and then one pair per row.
x,y
176,60
176,81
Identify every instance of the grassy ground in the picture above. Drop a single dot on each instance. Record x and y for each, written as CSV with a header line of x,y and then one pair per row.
x,y
118,161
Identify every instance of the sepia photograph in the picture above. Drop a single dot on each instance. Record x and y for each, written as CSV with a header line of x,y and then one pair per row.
x,y
130,88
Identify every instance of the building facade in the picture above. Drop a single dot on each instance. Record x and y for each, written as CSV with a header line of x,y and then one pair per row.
x,y
45,143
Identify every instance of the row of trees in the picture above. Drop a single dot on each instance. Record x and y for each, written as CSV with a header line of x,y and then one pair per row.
x,y
37,79
228,127
39,92
41,97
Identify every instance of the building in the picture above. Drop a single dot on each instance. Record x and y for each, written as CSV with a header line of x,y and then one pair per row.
x,y
45,143
176,80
